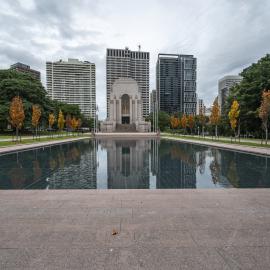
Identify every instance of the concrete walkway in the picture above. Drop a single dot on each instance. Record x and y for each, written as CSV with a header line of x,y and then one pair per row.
x,y
155,229
21,147
234,147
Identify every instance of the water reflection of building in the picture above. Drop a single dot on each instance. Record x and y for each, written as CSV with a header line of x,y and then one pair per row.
x,y
177,166
128,163
79,168
154,156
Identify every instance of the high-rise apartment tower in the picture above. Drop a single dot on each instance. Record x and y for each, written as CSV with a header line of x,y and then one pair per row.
x,y
20,67
176,83
73,82
124,63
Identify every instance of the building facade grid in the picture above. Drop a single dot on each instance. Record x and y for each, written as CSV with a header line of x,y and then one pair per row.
x,y
124,63
176,83
73,82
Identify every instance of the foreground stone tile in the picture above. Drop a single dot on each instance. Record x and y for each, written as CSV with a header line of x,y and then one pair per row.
x,y
174,229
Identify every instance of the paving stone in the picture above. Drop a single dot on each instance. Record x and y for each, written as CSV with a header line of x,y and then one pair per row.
x,y
156,229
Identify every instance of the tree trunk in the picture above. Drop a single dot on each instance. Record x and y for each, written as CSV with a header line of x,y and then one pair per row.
x,y
266,134
216,131
17,134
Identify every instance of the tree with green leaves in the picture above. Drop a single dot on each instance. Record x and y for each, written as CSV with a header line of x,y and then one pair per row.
x,y
13,83
248,93
163,120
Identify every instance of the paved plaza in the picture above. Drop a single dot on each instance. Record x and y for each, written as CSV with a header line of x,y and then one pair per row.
x,y
154,229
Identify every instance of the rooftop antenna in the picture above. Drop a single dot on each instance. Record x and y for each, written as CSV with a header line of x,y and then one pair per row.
x,y
139,47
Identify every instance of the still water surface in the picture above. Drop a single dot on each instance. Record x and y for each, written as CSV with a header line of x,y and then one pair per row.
x,y
128,164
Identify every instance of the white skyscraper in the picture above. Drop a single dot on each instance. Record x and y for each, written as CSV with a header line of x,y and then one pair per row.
x,y
73,82
224,85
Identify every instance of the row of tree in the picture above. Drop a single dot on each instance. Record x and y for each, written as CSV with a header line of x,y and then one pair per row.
x,y
246,111
17,117
37,106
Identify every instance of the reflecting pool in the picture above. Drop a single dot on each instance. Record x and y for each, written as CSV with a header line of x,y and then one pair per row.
x,y
130,164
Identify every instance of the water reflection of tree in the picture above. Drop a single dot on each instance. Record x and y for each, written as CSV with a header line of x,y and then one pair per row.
x,y
39,164
215,166
201,161
232,174
36,170
181,154
17,177
178,151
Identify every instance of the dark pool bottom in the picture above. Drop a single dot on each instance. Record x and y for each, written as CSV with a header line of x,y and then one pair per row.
x,y
132,164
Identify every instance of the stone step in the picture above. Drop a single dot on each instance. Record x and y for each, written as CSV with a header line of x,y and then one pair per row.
x,y
125,128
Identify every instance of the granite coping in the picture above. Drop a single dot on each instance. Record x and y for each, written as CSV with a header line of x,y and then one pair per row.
x,y
22,147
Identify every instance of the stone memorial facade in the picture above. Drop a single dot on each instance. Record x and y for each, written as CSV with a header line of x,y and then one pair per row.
x,y
125,108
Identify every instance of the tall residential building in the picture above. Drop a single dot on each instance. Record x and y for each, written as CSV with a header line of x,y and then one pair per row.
x,y
20,67
200,106
176,83
73,82
224,85
129,64
153,99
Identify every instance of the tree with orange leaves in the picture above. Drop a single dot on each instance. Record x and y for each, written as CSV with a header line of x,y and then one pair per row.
x,y
191,122
68,122
16,114
51,120
60,121
174,121
36,114
184,122
215,116
264,112
233,115
74,123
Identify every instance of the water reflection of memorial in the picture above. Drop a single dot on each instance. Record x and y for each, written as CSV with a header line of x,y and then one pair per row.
x,y
127,163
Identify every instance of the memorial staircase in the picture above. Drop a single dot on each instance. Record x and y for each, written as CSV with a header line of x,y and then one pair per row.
x,y
125,128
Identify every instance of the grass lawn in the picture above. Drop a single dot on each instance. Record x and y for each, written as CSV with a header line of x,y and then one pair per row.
x,y
250,142
44,133
29,141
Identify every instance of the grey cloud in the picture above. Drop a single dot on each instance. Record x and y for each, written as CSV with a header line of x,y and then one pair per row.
x,y
224,35
16,54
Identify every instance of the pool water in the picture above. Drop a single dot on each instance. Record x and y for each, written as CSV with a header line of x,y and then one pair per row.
x,y
132,164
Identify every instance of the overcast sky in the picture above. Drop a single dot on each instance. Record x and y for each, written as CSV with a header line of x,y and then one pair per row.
x,y
224,35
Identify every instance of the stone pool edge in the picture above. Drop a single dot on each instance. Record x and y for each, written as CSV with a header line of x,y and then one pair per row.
x,y
23,147
237,148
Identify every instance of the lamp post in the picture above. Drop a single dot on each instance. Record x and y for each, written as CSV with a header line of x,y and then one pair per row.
x,y
156,116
